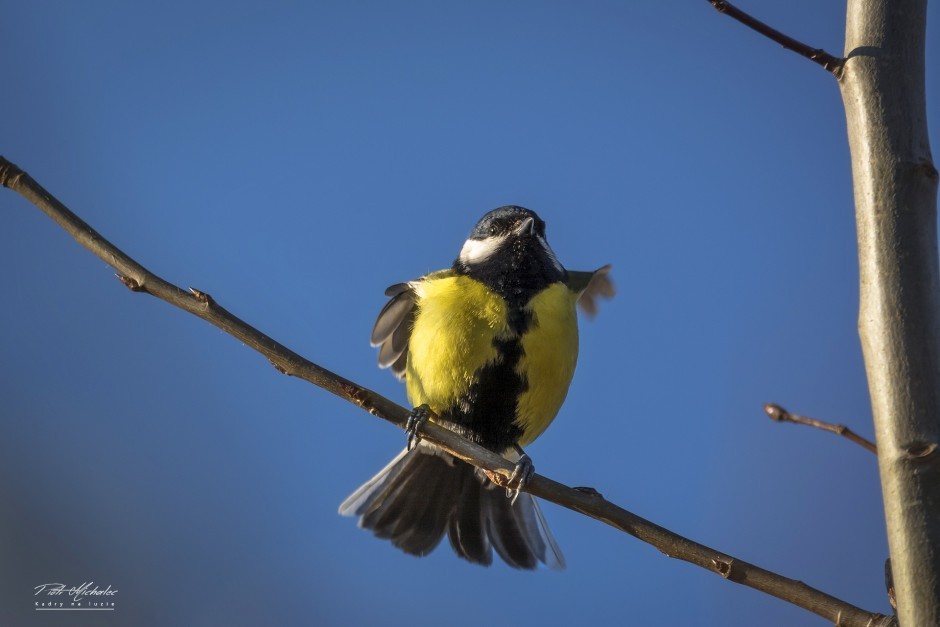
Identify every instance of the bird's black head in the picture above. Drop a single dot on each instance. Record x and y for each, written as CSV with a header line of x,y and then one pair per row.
x,y
502,221
508,252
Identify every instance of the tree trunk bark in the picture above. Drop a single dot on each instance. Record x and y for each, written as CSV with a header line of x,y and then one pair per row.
x,y
895,185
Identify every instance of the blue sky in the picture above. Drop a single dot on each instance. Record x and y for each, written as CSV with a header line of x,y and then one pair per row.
x,y
293,159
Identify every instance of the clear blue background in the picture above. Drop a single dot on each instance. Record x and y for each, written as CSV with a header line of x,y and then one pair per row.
x,y
293,159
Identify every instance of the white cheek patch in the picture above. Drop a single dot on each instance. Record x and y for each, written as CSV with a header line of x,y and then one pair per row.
x,y
478,250
551,254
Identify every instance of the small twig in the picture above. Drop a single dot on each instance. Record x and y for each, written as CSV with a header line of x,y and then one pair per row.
x,y
817,55
583,500
778,413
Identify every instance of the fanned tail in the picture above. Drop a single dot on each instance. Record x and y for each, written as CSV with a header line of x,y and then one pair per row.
x,y
424,493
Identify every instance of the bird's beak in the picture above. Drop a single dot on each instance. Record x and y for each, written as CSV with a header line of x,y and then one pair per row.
x,y
526,227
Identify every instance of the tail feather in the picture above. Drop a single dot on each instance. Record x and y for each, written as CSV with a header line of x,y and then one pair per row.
x,y
356,503
507,535
424,493
466,527
392,509
553,557
422,532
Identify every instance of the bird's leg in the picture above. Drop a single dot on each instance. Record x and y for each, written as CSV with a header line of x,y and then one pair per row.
x,y
419,416
520,475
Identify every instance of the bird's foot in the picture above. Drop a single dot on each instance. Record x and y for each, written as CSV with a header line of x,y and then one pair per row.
x,y
520,476
419,416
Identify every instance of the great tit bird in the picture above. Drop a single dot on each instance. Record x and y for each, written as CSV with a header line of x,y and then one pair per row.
x,y
489,346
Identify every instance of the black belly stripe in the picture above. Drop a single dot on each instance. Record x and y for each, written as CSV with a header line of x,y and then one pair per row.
x,y
487,413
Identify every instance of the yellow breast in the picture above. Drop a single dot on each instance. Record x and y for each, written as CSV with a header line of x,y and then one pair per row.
x,y
550,354
457,321
452,338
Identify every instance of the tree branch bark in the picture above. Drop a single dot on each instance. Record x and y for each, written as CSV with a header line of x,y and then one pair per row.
x,y
816,55
895,185
587,502
778,413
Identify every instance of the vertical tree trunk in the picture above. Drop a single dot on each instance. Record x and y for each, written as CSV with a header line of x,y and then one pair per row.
x,y
899,319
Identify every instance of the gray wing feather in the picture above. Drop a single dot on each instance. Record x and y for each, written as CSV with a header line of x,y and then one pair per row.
x,y
387,354
392,328
392,315
591,286
398,368
395,290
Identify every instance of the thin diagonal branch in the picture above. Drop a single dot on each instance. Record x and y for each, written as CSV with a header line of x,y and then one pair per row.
x,y
817,55
778,413
587,502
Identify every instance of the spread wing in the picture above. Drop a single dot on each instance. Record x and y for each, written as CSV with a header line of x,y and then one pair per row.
x,y
392,328
591,286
